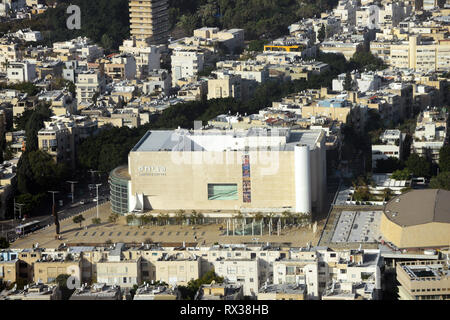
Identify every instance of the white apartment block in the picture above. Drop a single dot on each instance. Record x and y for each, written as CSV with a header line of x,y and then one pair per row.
x,y
148,57
391,146
430,134
88,83
21,72
186,64
245,272
157,81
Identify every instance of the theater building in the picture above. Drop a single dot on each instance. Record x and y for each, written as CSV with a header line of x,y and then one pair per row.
x,y
213,171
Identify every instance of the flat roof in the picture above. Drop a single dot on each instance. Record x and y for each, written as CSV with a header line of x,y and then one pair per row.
x,y
218,140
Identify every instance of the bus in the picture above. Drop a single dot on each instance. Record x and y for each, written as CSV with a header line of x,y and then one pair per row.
x,y
28,227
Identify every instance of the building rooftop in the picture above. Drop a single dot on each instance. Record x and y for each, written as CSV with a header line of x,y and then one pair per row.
x,y
419,207
222,140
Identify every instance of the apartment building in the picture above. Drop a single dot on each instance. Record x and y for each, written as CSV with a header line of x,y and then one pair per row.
x,y
21,72
9,271
156,292
186,64
226,86
46,270
147,57
158,81
420,53
431,134
61,135
89,83
9,52
8,183
97,291
219,291
149,20
282,292
423,280
177,268
37,291
390,145
245,272
122,67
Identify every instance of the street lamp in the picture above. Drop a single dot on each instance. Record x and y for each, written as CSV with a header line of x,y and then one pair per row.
x,y
72,188
97,185
54,213
92,173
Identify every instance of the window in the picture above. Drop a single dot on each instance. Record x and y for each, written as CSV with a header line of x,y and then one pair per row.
x,y
222,192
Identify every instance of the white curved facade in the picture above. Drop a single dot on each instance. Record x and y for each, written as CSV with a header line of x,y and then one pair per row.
x,y
302,179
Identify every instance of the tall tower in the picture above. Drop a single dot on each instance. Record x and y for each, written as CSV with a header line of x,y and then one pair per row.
x,y
149,21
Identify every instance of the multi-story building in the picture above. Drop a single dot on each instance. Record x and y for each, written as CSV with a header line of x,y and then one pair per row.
x,y
147,57
115,270
423,280
38,291
156,292
48,269
420,53
220,291
97,291
89,83
157,81
121,67
391,145
226,86
149,20
186,63
61,135
431,134
282,292
178,268
245,272
21,72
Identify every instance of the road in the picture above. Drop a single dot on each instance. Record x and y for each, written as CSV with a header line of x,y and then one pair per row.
x,y
68,210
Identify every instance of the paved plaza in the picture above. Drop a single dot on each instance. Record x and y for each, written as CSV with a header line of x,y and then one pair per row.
x,y
119,232
357,226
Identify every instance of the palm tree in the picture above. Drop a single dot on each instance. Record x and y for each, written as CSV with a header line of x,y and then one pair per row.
x,y
258,216
180,217
286,216
194,217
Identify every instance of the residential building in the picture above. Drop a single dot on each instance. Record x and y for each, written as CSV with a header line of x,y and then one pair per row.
x,y
282,292
220,291
147,57
89,83
156,292
21,72
243,272
431,134
423,280
37,291
149,20
97,291
186,64
391,146
46,270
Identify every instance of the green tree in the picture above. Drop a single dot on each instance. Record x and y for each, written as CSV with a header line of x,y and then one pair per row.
x,y
404,174
188,292
321,34
61,281
441,181
348,82
113,217
96,220
78,219
444,158
419,166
